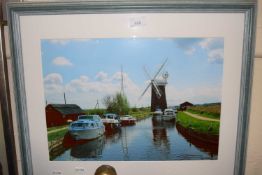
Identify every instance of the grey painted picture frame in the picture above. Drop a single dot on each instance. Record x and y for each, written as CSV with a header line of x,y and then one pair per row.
x,y
17,10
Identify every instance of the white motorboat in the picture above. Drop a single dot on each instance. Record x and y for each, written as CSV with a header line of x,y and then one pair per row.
x,y
169,114
157,112
111,121
87,127
127,120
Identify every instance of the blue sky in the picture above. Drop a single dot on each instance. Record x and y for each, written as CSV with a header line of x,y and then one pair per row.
x,y
89,69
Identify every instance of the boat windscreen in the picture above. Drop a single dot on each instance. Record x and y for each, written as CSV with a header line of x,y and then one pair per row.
x,y
77,124
85,117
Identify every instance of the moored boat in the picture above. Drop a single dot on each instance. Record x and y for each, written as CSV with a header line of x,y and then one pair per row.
x,y
127,120
87,127
169,114
111,121
157,112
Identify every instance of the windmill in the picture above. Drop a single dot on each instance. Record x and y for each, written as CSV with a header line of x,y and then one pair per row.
x,y
158,93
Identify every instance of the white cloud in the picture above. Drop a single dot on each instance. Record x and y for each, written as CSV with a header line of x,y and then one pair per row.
x,y
53,78
118,75
84,84
190,50
62,61
86,91
206,43
102,76
188,45
214,48
216,55
54,89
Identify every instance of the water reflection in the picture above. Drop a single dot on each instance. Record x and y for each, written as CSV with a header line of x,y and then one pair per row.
x,y
159,129
162,123
204,142
148,140
112,136
90,149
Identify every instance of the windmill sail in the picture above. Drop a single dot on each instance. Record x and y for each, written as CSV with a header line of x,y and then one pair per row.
x,y
158,94
159,70
153,81
156,89
144,91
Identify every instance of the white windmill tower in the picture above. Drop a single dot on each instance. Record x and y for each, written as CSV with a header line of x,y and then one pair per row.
x,y
158,92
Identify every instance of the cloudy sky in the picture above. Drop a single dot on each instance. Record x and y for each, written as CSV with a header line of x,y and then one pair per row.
x,y
89,69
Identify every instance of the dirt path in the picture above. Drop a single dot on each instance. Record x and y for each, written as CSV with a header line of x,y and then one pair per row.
x,y
201,117
60,129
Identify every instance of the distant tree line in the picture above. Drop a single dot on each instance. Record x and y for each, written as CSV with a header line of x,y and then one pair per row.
x,y
118,104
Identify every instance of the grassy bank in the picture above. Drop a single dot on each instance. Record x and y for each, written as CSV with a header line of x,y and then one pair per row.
x,y
198,125
56,127
140,114
60,133
210,111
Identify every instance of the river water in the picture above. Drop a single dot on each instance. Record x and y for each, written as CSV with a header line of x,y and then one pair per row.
x,y
148,140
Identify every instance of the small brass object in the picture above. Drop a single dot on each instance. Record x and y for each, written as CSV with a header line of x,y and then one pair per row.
x,y
105,170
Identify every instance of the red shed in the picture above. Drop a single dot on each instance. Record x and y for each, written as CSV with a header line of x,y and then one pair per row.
x,y
60,114
185,105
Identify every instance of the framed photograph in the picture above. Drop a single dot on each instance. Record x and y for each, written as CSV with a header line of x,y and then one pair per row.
x,y
146,87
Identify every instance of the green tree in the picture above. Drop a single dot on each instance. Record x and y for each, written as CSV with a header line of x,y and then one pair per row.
x,y
117,103
108,102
